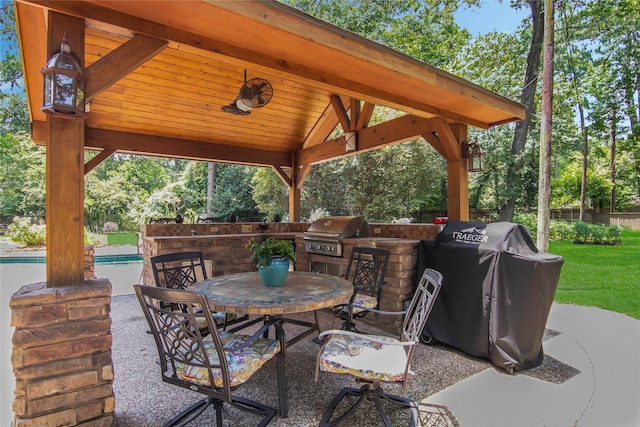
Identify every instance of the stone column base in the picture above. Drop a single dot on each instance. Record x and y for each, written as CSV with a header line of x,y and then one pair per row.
x,y
61,355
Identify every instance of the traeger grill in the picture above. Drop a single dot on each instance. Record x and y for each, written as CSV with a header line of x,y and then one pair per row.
x,y
324,236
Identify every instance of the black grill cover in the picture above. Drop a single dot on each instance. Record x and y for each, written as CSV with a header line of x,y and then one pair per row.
x,y
496,293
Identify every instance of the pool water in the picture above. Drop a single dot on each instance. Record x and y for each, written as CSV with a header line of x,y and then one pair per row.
x,y
98,259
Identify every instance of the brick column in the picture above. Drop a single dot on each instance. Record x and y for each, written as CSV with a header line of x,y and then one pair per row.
x,y
61,355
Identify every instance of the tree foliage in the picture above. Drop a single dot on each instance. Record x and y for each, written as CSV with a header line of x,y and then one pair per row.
x,y
395,181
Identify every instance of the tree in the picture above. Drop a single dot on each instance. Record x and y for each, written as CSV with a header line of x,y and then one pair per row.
x,y
513,184
270,194
233,192
544,188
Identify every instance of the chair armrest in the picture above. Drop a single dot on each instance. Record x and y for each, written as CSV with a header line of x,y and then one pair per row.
x,y
375,310
371,338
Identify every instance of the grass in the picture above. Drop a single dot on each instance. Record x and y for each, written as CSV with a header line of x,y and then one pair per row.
x,y
122,239
601,276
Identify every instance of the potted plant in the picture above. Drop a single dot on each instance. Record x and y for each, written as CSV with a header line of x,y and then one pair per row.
x,y
272,257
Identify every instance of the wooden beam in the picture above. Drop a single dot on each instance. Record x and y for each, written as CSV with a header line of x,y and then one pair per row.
x,y
397,130
120,62
365,115
99,158
355,114
323,127
302,175
450,145
65,173
283,176
341,112
150,145
294,192
435,142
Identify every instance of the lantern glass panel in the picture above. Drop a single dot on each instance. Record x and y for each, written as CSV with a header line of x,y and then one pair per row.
x,y
48,90
80,96
64,90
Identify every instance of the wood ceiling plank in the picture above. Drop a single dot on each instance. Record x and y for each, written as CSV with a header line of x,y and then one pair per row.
x,y
153,127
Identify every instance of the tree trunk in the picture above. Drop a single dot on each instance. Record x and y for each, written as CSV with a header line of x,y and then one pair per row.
x,y
544,172
585,159
513,185
211,187
583,128
612,166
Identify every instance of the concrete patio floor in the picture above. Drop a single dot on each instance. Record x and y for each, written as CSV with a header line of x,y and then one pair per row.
x,y
590,377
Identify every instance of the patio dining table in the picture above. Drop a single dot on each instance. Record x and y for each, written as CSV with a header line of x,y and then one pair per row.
x,y
245,293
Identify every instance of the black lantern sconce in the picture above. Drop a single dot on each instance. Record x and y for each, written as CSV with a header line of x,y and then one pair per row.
x,y
474,156
63,85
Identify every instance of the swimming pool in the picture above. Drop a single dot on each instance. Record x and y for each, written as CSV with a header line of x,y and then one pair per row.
x,y
101,259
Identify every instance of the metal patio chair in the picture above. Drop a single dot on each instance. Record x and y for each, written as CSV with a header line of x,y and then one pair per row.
x,y
214,365
180,270
366,269
376,359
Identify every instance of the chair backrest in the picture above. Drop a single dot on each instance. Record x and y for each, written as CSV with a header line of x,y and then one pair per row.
x,y
186,358
421,305
366,269
178,270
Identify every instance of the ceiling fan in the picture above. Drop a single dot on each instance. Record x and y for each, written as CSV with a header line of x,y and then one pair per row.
x,y
254,93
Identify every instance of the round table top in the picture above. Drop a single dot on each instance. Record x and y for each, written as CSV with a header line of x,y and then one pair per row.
x,y
244,293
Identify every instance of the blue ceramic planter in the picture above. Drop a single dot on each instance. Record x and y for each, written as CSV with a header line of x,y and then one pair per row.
x,y
275,273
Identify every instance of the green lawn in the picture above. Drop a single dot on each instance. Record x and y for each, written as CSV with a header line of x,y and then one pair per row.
x,y
122,239
601,276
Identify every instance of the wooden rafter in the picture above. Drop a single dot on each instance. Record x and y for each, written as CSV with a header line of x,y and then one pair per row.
x,y
394,131
341,112
450,144
120,62
99,158
365,115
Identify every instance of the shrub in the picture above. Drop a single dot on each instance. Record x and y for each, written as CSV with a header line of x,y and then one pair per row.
x,y
598,234
560,230
23,232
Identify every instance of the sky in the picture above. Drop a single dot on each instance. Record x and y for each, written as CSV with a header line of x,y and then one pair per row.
x,y
491,16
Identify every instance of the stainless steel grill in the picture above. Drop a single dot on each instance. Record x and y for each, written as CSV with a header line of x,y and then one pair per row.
x,y
325,235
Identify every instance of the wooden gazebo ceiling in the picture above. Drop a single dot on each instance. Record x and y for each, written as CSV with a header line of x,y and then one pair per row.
x,y
181,61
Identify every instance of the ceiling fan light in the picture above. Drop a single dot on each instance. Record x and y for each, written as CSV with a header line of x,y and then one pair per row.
x,y
243,105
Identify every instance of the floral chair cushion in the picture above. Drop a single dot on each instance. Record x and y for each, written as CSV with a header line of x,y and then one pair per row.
x,y
242,363
362,358
363,300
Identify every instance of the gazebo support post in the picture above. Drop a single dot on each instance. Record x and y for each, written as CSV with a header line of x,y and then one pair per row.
x,y
61,354
458,181
65,173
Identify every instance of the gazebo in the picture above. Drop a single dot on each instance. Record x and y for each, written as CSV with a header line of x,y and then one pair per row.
x,y
157,75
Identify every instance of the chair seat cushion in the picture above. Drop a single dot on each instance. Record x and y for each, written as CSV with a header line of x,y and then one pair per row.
x,y
242,363
363,300
361,358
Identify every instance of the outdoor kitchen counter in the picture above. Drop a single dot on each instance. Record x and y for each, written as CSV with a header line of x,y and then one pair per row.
x,y
228,252
247,236
401,272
